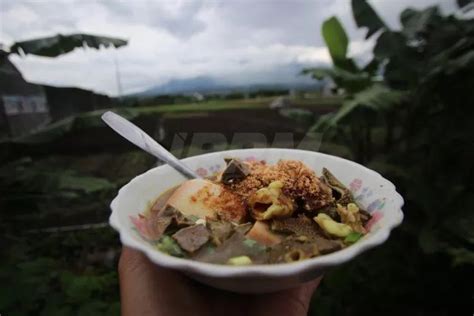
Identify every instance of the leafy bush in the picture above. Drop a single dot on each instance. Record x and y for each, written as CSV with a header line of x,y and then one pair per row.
x,y
67,272
60,274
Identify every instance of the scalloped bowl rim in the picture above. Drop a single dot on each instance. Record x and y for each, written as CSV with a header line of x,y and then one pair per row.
x,y
262,270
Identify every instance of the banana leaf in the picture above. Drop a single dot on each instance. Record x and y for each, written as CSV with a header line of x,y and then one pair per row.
x,y
376,98
352,82
337,42
463,3
61,44
365,15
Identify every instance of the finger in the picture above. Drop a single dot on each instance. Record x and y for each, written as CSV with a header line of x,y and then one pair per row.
x,y
147,289
306,291
138,282
292,302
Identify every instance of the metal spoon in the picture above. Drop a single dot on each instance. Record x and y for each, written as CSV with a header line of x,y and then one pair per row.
x,y
137,136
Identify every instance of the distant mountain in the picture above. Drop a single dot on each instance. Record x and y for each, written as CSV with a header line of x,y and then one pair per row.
x,y
176,86
208,85
283,77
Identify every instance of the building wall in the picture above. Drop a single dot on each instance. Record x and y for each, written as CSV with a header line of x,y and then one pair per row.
x,y
26,107
64,102
23,105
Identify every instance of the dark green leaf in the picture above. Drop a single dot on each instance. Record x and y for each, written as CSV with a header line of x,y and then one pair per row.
x,y
389,169
416,22
461,63
92,308
80,288
336,38
463,3
461,225
461,256
401,73
389,44
319,73
372,67
113,309
427,240
401,69
60,44
337,42
55,310
83,183
376,98
365,16
350,81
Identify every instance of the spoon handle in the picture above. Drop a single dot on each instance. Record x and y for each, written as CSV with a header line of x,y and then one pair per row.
x,y
137,136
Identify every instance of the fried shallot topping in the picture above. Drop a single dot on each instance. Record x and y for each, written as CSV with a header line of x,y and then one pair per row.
x,y
300,183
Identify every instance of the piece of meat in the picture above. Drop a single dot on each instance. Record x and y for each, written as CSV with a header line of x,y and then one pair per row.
x,y
243,228
151,228
291,250
340,192
311,203
300,226
303,226
219,231
153,223
160,202
327,245
234,171
178,218
192,238
236,245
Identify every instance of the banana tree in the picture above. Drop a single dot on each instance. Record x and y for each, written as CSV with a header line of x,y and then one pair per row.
x,y
368,97
408,114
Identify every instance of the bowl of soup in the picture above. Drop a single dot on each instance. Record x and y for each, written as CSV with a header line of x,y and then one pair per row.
x,y
257,220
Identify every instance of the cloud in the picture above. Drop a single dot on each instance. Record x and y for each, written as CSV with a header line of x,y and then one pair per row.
x,y
236,41
180,17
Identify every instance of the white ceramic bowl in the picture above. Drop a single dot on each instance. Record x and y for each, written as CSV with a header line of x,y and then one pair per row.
x,y
371,190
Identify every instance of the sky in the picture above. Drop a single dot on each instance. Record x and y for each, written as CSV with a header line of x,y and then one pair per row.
x,y
233,41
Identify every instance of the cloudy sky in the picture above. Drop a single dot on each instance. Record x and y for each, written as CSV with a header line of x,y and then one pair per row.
x,y
233,41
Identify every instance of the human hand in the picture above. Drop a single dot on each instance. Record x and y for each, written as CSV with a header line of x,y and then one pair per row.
x,y
147,289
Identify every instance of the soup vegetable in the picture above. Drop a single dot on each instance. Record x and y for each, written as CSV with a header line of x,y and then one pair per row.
x,y
255,213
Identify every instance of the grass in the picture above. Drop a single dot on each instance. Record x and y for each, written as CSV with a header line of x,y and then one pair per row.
x,y
93,118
